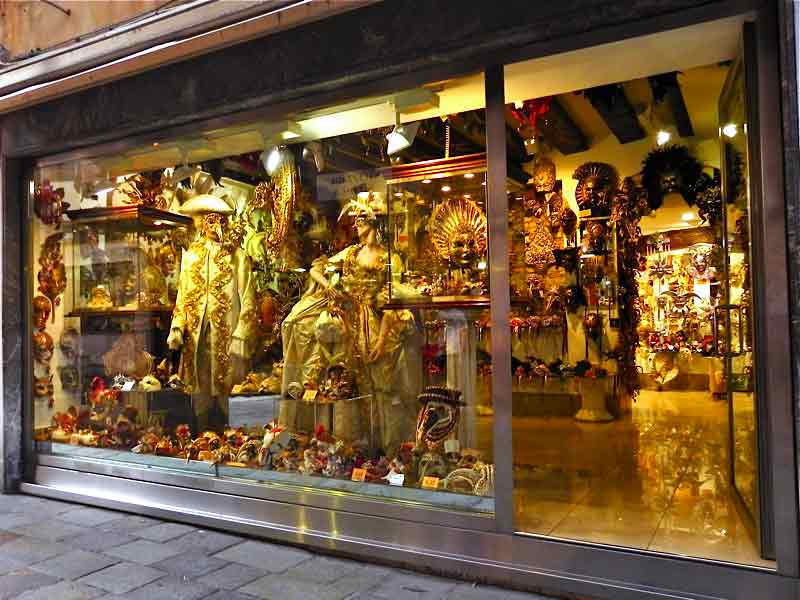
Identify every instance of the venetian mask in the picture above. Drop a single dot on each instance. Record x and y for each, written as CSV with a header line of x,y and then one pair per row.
x,y
128,286
69,378
569,221
41,312
439,416
458,231
544,175
670,182
43,386
213,226
68,343
596,182
463,250
149,384
42,347
100,297
167,259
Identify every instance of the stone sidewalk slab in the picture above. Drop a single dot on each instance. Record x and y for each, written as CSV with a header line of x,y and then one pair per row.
x,y
122,577
59,551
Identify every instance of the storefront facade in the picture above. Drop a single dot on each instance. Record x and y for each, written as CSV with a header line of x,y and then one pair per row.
x,y
502,294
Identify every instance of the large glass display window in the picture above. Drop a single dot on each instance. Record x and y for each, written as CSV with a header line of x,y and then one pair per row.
x,y
635,418
296,302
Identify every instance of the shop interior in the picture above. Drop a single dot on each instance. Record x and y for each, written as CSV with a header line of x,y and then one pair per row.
x,y
631,425
306,301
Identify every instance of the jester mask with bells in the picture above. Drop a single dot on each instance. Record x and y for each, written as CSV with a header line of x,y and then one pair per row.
x,y
439,415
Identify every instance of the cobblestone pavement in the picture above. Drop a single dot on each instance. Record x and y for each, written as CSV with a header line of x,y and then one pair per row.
x,y
57,551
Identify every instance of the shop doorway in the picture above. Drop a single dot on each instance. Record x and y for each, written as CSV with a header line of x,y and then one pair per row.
x,y
633,328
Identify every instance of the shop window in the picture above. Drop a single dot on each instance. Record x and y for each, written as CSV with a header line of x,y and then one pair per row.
x,y
634,415
302,301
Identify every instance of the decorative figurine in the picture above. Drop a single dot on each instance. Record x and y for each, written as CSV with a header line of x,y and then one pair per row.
x,y
100,298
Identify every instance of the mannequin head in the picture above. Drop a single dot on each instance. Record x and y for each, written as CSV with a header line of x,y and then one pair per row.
x,y
213,226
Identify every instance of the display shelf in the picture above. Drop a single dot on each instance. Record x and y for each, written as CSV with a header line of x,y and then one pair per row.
x,y
440,302
119,312
145,215
436,498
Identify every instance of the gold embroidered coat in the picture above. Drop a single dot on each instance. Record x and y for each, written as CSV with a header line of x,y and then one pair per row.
x,y
215,307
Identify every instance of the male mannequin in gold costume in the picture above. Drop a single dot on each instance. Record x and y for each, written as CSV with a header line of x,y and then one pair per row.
x,y
214,318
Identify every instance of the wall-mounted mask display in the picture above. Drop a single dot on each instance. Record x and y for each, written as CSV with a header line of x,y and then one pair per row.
x,y
41,312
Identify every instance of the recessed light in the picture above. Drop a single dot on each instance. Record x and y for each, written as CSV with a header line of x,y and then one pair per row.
x,y
663,137
446,188
426,181
730,130
467,196
469,175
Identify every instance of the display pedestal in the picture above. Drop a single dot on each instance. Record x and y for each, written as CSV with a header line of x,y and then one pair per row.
x,y
593,401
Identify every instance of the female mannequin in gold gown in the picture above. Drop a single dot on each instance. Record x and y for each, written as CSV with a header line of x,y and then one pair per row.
x,y
346,295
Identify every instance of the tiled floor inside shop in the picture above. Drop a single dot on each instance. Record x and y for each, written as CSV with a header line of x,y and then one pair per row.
x,y
57,551
655,480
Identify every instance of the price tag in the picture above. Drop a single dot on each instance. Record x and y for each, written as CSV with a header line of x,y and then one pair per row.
x,y
310,395
430,483
359,475
128,386
396,479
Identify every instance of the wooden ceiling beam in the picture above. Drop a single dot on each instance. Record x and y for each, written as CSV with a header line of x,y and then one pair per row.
x,y
666,86
612,104
559,130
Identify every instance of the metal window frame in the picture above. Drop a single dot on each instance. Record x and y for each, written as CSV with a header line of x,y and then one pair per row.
x,y
457,546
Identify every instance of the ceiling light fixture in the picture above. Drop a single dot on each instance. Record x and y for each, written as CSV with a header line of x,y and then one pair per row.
x,y
730,130
402,136
446,188
103,186
469,175
663,137
426,181
271,159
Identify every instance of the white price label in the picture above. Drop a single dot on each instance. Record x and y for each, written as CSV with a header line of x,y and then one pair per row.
x,y
396,479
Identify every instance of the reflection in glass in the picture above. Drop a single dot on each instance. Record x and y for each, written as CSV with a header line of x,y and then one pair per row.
x,y
302,302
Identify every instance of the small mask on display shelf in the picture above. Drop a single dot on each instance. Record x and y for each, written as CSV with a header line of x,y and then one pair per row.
x,y
70,381
43,389
69,343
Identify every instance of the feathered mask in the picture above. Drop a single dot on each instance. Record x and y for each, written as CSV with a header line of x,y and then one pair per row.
x,y
369,207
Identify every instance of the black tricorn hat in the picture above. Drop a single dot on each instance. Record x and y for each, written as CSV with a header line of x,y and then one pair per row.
x,y
436,393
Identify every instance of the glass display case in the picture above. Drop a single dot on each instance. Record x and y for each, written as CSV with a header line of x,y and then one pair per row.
x,y
438,233
124,259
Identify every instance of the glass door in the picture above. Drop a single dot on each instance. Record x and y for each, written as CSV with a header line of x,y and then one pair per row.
x,y
735,338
